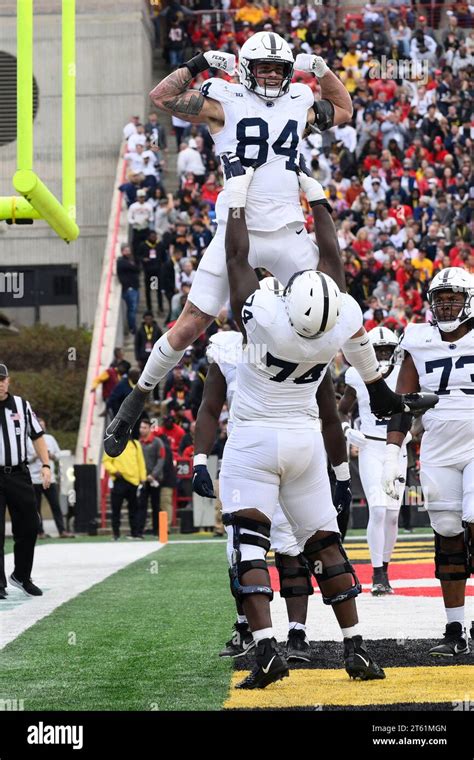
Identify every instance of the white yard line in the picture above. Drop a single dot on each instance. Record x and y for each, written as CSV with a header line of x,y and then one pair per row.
x,y
62,572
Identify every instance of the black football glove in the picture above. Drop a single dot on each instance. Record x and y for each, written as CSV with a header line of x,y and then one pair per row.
x,y
385,403
342,497
202,483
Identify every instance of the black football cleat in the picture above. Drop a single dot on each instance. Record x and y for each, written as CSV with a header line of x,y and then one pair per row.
x,y
297,646
379,587
117,435
388,588
270,667
3,592
359,664
454,642
241,642
28,587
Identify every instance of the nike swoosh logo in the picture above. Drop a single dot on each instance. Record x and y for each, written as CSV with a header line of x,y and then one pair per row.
x,y
298,232
364,344
162,352
366,662
265,670
294,96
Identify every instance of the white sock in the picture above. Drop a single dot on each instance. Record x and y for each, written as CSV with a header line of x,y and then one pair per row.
x,y
263,633
348,633
162,359
242,619
455,615
391,533
296,627
376,535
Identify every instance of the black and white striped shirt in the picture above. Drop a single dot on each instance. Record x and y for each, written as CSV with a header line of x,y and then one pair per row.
x,y
17,423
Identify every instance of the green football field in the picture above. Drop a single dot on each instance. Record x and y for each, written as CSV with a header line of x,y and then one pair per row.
x,y
140,640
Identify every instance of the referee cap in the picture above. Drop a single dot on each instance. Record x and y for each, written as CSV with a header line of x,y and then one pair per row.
x,y
3,370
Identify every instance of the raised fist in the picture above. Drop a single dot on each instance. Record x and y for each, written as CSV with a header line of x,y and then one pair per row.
x,y
313,63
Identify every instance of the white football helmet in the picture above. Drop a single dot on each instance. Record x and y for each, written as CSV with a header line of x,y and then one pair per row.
x,y
273,285
385,344
265,47
448,317
313,302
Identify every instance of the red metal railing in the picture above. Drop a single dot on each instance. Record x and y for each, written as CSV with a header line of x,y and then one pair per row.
x,y
103,321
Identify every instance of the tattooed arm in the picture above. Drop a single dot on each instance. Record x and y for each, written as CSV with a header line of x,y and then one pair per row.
x,y
173,96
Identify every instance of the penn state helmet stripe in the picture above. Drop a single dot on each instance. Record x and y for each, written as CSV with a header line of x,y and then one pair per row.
x,y
326,303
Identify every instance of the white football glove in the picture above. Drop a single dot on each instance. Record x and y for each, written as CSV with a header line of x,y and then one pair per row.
x,y
311,188
393,478
219,60
354,437
236,180
314,63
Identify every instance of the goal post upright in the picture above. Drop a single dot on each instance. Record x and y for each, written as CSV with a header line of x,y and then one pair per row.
x,y
36,201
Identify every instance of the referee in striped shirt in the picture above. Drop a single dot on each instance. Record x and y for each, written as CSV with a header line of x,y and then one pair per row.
x,y
17,422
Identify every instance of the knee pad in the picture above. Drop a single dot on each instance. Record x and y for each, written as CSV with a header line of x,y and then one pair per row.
x,y
256,545
448,551
314,552
286,573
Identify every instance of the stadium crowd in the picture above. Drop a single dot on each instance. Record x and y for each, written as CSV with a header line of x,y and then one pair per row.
x,y
399,176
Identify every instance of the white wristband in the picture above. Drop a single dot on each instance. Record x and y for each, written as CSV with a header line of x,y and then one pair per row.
x,y
200,459
341,471
392,452
345,427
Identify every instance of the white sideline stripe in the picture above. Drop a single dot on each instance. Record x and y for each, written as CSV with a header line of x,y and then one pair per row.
x,y
63,572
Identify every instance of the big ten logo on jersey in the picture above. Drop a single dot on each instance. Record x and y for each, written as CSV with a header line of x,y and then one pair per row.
x,y
252,142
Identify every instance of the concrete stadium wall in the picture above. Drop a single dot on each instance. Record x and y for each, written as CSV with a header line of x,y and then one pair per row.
x,y
113,56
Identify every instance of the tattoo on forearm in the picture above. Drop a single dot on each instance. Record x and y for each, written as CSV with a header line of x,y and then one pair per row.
x,y
190,103
172,85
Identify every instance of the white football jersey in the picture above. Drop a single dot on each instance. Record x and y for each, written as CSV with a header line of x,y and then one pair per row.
x,y
369,424
445,368
266,132
280,372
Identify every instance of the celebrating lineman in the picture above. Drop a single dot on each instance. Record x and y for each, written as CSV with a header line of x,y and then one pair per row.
x,y
261,120
439,357
275,453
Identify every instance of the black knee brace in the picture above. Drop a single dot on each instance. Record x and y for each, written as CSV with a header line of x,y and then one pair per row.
x,y
445,556
302,571
238,567
313,551
469,539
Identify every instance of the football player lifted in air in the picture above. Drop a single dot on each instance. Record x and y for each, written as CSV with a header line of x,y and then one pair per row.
x,y
371,439
275,453
439,357
224,353
261,120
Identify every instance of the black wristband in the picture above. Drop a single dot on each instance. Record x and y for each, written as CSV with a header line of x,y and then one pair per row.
x,y
400,423
196,65
45,465
321,202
